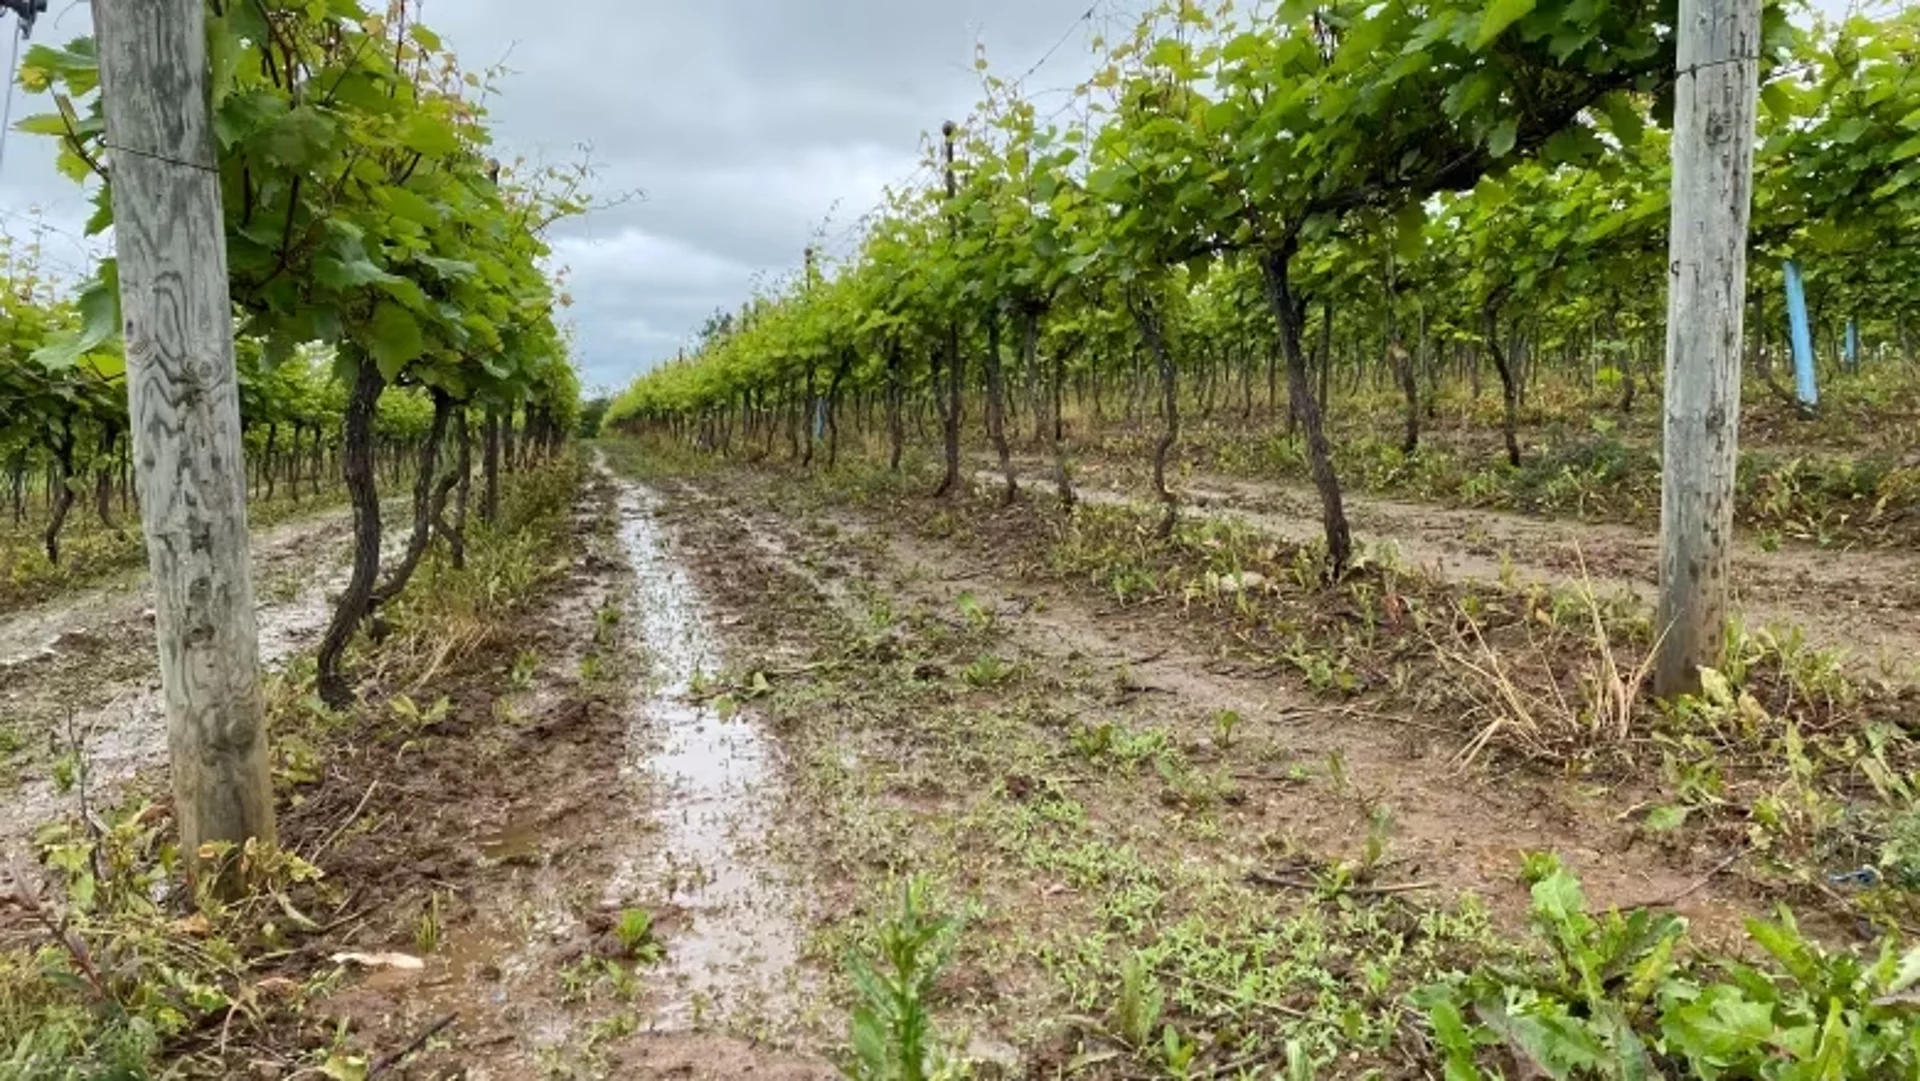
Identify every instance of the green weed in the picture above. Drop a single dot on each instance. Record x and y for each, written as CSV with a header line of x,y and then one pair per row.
x,y
1620,996
634,929
892,1032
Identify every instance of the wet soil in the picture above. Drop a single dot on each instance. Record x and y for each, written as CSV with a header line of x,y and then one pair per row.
x,y
1865,602
745,711
716,782
1465,831
557,807
942,705
78,673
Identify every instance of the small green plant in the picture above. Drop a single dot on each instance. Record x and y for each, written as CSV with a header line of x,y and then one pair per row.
x,y
427,932
1093,740
1177,1052
1224,722
1136,1013
66,771
988,670
892,1029
606,620
416,719
525,664
582,980
975,613
634,929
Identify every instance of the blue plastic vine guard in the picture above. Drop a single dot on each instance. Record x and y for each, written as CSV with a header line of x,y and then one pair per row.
x,y
1804,384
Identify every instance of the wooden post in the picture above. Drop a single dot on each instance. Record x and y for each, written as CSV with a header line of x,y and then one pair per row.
x,y
1707,267
170,237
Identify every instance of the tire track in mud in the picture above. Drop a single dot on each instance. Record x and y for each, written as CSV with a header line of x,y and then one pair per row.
x,y
597,783
736,940
83,666
1866,601
1466,830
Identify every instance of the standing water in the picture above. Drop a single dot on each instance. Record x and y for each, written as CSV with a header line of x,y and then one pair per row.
x,y
714,780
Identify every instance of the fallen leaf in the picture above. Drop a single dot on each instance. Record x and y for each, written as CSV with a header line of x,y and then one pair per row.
x,y
195,925
277,987
379,960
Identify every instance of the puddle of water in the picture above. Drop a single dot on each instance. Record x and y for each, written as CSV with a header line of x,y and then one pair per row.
x,y
516,842
714,780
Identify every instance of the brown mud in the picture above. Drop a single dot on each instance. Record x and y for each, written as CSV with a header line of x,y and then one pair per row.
x,y
1465,831
943,704
78,678
744,708
1866,601
554,810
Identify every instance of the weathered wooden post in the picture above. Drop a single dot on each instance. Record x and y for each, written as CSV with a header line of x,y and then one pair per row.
x,y
170,239
1713,132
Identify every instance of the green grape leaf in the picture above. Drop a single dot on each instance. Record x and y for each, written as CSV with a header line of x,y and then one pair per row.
x,y
1501,139
1500,15
99,304
395,339
296,139
430,136
337,273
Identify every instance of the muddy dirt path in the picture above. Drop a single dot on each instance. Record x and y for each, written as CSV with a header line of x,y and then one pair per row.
x,y
1866,602
1464,831
591,835
81,668
713,772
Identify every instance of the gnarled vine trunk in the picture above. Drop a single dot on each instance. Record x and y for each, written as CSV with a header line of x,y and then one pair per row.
x,y
1403,370
103,477
459,478
1509,389
425,500
1030,367
1410,389
997,409
1062,477
833,407
1277,267
362,488
490,468
810,419
463,494
956,370
1148,320
266,463
896,423
61,494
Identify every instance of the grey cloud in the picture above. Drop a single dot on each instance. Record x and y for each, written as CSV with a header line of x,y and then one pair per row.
x,y
747,122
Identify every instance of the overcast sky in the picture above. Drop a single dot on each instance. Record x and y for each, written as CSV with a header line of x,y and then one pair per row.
x,y
748,124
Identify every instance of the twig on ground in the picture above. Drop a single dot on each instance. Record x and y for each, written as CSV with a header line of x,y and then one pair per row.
x,y
351,818
26,897
387,1062
1261,878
